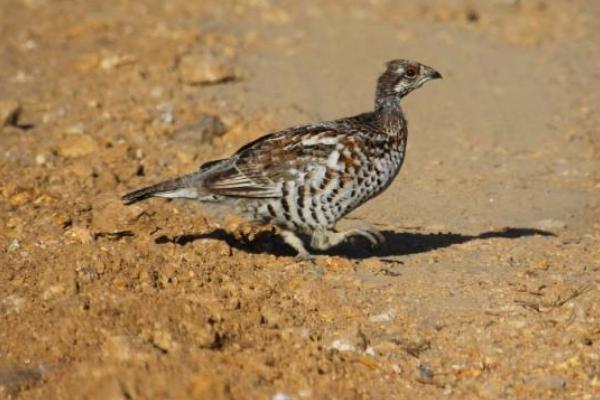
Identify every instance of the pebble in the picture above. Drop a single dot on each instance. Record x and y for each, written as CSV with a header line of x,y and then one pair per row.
x,y
53,291
164,341
81,234
270,316
9,112
207,68
205,129
13,246
425,373
305,393
281,396
40,159
76,145
12,304
110,215
118,348
116,61
20,198
383,317
342,345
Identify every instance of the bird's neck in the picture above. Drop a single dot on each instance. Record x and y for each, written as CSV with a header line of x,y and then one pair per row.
x,y
389,116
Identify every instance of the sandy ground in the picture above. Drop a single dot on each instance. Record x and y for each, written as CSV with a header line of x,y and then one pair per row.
x,y
488,286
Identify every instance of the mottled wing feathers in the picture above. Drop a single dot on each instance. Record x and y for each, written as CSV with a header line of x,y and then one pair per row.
x,y
261,168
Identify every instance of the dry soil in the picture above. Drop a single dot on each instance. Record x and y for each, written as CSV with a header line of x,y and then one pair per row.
x,y
488,286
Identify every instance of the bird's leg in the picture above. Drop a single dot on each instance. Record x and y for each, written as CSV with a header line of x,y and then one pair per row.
x,y
323,240
295,242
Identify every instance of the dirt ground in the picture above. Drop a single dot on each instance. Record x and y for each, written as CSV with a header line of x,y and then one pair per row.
x,y
488,286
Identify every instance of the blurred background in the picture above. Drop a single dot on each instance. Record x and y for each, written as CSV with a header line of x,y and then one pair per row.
x,y
494,214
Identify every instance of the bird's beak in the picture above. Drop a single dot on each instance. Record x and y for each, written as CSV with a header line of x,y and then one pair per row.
x,y
433,74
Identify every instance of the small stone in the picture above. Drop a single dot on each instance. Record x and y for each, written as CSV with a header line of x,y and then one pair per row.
x,y
205,337
21,198
204,130
385,316
53,291
81,234
552,382
334,263
342,345
118,348
40,159
9,112
270,316
110,215
12,304
76,145
305,393
281,396
425,374
164,341
205,69
551,224
13,246
116,61
166,114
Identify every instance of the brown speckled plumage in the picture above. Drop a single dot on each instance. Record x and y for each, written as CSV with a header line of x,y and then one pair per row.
x,y
305,178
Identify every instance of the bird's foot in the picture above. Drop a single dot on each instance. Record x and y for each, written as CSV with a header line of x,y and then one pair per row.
x,y
326,239
295,242
306,256
374,236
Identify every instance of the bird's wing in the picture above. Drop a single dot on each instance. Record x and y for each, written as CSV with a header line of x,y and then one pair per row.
x,y
261,168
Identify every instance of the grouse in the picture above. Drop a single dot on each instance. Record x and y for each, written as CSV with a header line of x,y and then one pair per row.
x,y
305,178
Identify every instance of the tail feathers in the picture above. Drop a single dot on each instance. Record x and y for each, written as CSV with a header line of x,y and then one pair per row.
x,y
183,187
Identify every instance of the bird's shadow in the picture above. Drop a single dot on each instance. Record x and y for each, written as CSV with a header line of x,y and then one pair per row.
x,y
396,243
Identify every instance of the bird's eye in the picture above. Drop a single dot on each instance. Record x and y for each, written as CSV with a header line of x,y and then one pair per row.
x,y
411,72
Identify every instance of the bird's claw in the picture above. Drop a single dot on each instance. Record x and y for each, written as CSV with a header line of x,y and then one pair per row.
x,y
375,238
306,256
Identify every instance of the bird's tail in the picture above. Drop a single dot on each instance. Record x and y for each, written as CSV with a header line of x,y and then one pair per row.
x,y
187,186
182,187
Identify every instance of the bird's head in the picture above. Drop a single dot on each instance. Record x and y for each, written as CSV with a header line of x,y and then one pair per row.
x,y
403,76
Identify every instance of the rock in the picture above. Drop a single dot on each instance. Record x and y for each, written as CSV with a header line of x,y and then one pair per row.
x,y
13,379
553,382
115,61
204,130
13,246
351,339
9,112
205,337
118,348
21,198
76,145
342,345
166,113
206,68
11,304
110,215
281,396
53,291
385,316
40,159
80,234
270,316
164,341
551,224
424,373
